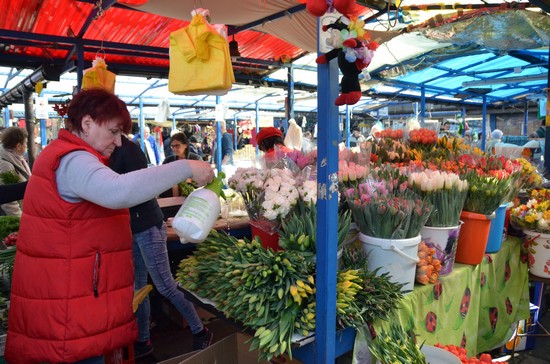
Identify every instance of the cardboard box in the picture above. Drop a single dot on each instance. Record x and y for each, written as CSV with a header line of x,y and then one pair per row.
x,y
230,350
178,359
524,342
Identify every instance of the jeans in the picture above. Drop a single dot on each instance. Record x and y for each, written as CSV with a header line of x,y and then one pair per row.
x,y
151,256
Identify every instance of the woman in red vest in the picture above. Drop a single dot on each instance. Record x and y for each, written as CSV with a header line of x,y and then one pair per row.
x,y
72,286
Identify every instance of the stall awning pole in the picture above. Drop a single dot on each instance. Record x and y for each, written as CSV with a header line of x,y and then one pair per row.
x,y
484,124
327,211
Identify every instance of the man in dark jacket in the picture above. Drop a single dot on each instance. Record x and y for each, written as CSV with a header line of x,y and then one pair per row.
x,y
151,256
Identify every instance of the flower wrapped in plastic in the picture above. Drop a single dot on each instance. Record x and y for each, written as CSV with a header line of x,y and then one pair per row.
x,y
268,195
382,211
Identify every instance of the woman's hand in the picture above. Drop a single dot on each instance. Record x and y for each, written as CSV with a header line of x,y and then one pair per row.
x,y
202,172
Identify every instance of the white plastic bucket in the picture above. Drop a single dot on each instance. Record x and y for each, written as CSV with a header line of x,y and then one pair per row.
x,y
397,257
444,240
539,253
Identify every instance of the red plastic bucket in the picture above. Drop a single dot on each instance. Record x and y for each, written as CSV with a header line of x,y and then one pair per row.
x,y
269,239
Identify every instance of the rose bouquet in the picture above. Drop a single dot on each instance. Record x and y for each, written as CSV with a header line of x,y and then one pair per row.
x,y
535,214
446,192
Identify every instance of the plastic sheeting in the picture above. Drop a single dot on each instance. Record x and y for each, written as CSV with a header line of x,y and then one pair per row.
x,y
509,30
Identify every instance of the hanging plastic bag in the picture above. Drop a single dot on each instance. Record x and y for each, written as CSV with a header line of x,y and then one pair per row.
x,y
199,60
98,76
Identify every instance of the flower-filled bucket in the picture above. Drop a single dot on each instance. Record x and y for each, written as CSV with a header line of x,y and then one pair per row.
x,y
397,257
496,232
265,230
538,246
444,241
473,237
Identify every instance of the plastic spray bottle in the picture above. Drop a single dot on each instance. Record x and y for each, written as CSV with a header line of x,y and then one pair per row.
x,y
199,212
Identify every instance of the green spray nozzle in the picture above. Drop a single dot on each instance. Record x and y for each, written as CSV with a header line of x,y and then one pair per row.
x,y
217,185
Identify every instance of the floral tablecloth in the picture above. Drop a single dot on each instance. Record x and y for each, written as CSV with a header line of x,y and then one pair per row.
x,y
473,307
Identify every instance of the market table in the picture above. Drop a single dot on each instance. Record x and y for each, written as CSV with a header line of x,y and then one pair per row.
x,y
474,306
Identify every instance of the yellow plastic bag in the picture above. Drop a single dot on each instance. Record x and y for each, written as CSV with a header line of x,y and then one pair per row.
x,y
199,60
98,76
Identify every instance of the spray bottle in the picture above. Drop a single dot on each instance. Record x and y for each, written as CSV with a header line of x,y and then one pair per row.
x,y
199,212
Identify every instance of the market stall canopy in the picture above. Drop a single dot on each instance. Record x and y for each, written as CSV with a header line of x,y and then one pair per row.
x,y
270,36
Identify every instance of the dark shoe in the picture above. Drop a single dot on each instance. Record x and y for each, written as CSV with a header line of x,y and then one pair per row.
x,y
202,340
142,349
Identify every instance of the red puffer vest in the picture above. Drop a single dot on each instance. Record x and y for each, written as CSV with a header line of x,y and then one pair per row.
x,y
72,286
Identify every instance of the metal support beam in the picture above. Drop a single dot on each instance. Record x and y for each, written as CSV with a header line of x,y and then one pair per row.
x,y
327,212
484,124
15,95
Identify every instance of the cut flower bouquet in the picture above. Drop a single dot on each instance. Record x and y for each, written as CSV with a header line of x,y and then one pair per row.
x,y
382,211
270,195
446,192
535,214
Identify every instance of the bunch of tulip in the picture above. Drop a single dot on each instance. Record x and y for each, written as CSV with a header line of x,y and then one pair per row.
x,y
446,192
382,212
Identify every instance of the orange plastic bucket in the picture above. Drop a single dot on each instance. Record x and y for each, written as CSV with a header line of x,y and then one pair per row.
x,y
472,240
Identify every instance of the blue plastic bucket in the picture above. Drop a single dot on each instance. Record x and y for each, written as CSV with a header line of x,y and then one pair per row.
x,y
496,232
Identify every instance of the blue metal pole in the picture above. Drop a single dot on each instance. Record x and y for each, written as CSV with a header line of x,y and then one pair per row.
x,y
7,121
484,123
525,118
422,106
327,211
464,122
141,125
290,78
43,133
235,139
347,131
174,124
257,127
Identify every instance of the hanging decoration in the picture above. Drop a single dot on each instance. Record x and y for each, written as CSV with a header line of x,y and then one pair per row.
x,y
200,62
354,50
99,76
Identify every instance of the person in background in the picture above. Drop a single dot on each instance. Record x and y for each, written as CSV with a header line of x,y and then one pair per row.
x,y
166,135
75,239
180,146
151,257
151,149
496,137
227,146
541,131
270,141
195,146
356,137
307,142
13,146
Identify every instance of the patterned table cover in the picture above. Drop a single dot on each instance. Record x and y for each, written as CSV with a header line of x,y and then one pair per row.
x,y
473,307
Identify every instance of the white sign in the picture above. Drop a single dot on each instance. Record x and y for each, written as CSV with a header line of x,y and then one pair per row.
x,y
41,107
